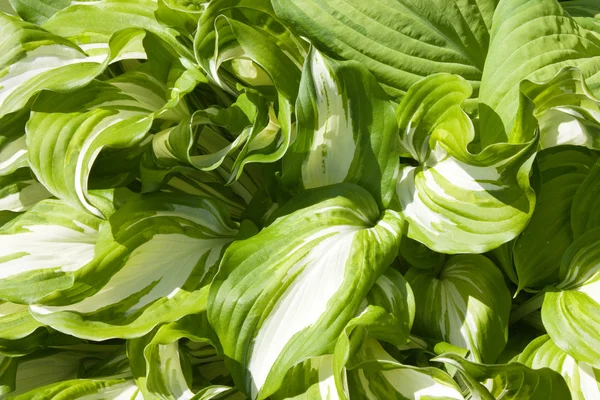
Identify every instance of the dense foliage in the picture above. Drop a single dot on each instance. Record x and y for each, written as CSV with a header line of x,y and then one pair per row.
x,y
300,199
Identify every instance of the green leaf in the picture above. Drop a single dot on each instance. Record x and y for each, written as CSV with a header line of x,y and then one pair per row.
x,y
111,115
538,249
399,41
584,214
34,60
566,110
466,303
157,358
531,40
20,191
20,333
583,380
571,312
13,149
263,53
106,388
43,368
458,201
42,250
331,241
209,137
377,375
345,130
91,24
248,30
508,381
153,264
38,11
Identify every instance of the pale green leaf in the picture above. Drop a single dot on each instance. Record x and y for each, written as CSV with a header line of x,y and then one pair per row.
x,y
377,375
465,303
109,116
20,191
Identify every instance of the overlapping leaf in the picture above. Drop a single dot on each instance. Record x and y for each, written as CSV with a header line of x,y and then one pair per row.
x,y
333,242
457,201
152,264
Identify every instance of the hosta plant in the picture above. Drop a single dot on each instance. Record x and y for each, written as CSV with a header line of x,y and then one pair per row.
x,y
300,199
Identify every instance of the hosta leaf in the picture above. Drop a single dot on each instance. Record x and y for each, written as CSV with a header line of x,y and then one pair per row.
x,y
205,184
583,380
34,59
466,304
248,32
45,368
388,315
77,126
332,241
566,110
209,137
584,214
571,312
20,191
310,380
20,333
42,250
377,375
458,201
262,53
345,130
13,149
428,104
157,358
105,388
531,40
38,11
508,381
400,41
585,13
90,24
538,249
152,265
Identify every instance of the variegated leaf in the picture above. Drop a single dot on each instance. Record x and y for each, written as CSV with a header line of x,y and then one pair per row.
x,y
332,241
345,130
465,303
457,201
583,380
152,264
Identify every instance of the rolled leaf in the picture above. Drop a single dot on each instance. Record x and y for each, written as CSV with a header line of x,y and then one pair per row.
x,y
458,201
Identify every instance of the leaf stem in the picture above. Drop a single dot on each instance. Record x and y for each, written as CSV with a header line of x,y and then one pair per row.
x,y
531,305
